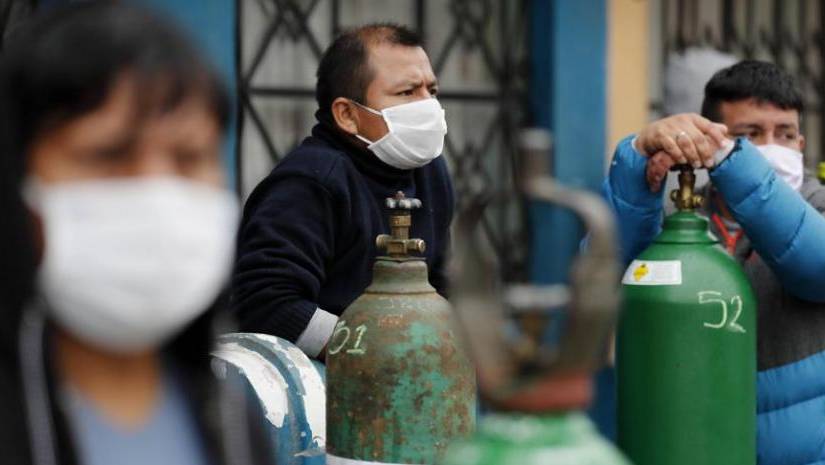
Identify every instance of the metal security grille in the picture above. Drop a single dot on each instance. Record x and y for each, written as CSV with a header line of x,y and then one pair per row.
x,y
786,32
478,51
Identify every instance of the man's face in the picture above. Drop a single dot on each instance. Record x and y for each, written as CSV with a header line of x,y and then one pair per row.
x,y
762,123
109,142
400,75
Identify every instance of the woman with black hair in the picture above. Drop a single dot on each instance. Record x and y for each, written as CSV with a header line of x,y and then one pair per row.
x,y
116,126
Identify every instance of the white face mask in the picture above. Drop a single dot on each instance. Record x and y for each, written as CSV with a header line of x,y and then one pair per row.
x,y
415,136
130,262
787,163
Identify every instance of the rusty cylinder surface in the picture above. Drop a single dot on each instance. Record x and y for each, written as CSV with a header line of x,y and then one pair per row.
x,y
399,386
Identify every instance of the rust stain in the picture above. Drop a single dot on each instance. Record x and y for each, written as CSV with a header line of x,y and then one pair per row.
x,y
383,420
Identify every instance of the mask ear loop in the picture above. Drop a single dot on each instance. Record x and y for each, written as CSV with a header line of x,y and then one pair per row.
x,y
364,139
375,112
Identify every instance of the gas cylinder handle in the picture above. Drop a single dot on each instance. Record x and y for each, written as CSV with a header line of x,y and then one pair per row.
x,y
398,244
402,202
594,273
594,276
504,368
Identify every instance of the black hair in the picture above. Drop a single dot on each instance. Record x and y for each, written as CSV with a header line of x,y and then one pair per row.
x,y
61,64
65,61
765,82
344,69
17,251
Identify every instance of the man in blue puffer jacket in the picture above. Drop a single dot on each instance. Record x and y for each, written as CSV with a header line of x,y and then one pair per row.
x,y
758,187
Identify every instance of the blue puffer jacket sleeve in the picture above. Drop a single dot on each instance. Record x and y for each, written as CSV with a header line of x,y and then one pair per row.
x,y
785,230
638,210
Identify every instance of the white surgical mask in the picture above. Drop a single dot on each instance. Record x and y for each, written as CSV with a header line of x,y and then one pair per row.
x,y
130,262
786,162
415,136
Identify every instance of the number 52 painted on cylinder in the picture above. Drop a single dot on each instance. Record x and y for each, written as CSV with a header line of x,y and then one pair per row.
x,y
714,297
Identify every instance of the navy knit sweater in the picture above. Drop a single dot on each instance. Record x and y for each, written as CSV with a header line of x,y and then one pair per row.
x,y
307,238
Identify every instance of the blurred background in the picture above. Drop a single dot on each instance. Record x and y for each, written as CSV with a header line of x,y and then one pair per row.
x,y
591,71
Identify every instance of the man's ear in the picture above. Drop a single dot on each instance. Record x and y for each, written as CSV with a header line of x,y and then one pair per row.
x,y
801,143
345,115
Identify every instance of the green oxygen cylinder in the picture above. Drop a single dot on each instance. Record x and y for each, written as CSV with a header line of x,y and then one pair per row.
x,y
686,348
536,387
399,385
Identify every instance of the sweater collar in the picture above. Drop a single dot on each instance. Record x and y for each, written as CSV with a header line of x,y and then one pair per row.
x,y
364,160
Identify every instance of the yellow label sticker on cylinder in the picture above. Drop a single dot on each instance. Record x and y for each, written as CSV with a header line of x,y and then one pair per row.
x,y
653,273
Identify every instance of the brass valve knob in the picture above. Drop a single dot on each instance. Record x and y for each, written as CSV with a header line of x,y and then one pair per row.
x,y
684,197
398,244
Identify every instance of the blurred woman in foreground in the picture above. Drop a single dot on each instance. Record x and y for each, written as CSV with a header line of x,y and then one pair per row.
x,y
119,125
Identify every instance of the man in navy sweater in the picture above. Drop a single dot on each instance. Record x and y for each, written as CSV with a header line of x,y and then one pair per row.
x,y
307,239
